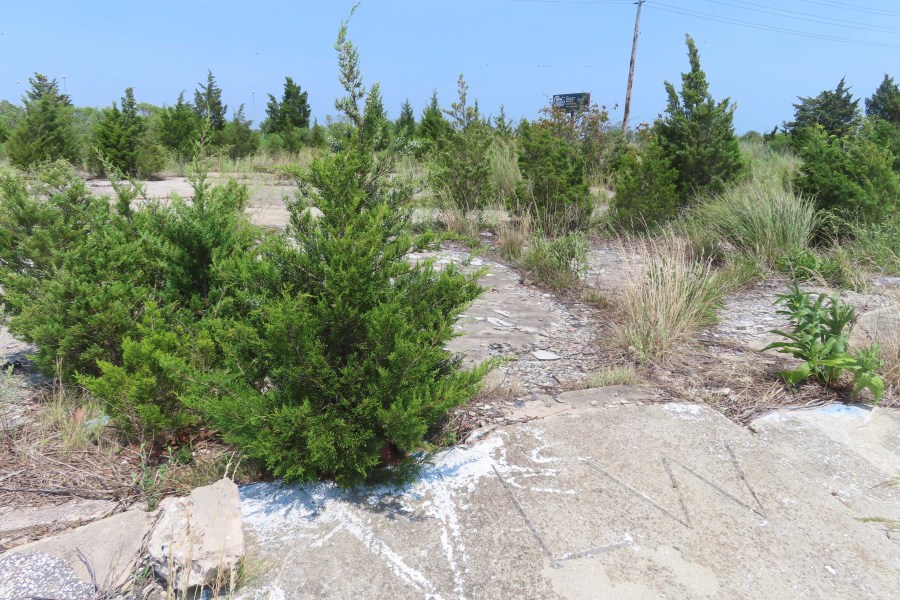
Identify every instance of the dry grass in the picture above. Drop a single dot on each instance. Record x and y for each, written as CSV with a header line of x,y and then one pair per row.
x,y
512,236
607,376
667,296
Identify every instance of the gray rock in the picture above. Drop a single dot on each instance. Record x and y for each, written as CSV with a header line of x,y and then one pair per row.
x,y
17,523
198,537
545,355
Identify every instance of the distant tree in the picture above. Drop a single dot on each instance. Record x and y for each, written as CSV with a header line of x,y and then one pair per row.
x,y
885,102
835,111
208,103
45,130
292,112
177,127
502,125
434,127
118,137
238,137
10,115
697,134
406,123
317,135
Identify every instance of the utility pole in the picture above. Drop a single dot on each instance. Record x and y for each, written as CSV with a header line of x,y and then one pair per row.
x,y
637,32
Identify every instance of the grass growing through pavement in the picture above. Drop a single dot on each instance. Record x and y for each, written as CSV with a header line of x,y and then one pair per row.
x,y
667,296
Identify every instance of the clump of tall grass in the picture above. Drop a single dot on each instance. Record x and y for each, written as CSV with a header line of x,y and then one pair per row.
x,y
618,375
505,175
556,262
756,218
667,296
512,236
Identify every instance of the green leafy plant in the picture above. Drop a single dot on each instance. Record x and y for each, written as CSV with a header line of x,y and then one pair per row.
x,y
557,262
820,338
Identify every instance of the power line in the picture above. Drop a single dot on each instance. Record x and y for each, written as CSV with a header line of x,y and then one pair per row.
x,y
792,14
854,7
763,27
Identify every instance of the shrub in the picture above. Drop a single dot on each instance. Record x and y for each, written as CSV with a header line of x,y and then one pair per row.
x,y
697,135
505,175
834,111
646,191
558,262
45,132
117,138
667,296
820,338
553,188
461,170
851,177
332,341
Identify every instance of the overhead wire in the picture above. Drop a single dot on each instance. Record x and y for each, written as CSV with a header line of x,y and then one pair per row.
x,y
855,7
792,14
761,26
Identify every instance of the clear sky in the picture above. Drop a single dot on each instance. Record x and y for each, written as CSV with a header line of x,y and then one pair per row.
x,y
514,52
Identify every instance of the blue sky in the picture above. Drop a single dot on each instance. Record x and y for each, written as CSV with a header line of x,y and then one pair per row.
x,y
517,53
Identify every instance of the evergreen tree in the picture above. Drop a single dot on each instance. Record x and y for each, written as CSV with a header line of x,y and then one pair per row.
x,y
434,127
208,103
238,136
502,125
118,137
697,134
292,112
836,111
339,366
177,128
885,102
317,135
45,131
406,123
461,170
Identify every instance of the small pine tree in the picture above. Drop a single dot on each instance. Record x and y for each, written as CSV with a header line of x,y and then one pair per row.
x,y
885,102
646,190
502,125
208,103
292,112
238,137
339,366
697,135
45,132
434,127
177,128
118,137
460,170
317,135
406,123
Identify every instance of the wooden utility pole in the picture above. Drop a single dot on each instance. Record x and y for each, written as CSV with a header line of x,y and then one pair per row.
x,y
637,32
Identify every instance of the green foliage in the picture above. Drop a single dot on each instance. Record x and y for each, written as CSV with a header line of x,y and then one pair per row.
x,y
118,137
834,111
406,123
559,262
553,188
460,170
851,176
885,102
10,115
45,132
238,138
820,338
333,342
208,103
291,113
646,188
759,219
177,128
697,135
434,128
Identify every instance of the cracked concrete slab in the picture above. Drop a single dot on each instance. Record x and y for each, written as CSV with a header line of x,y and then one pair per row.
x,y
629,501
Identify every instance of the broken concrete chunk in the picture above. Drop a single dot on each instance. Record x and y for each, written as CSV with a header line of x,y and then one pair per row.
x,y
545,355
199,535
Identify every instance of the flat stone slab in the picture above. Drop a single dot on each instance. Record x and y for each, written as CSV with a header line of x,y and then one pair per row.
x,y
111,546
22,522
635,501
